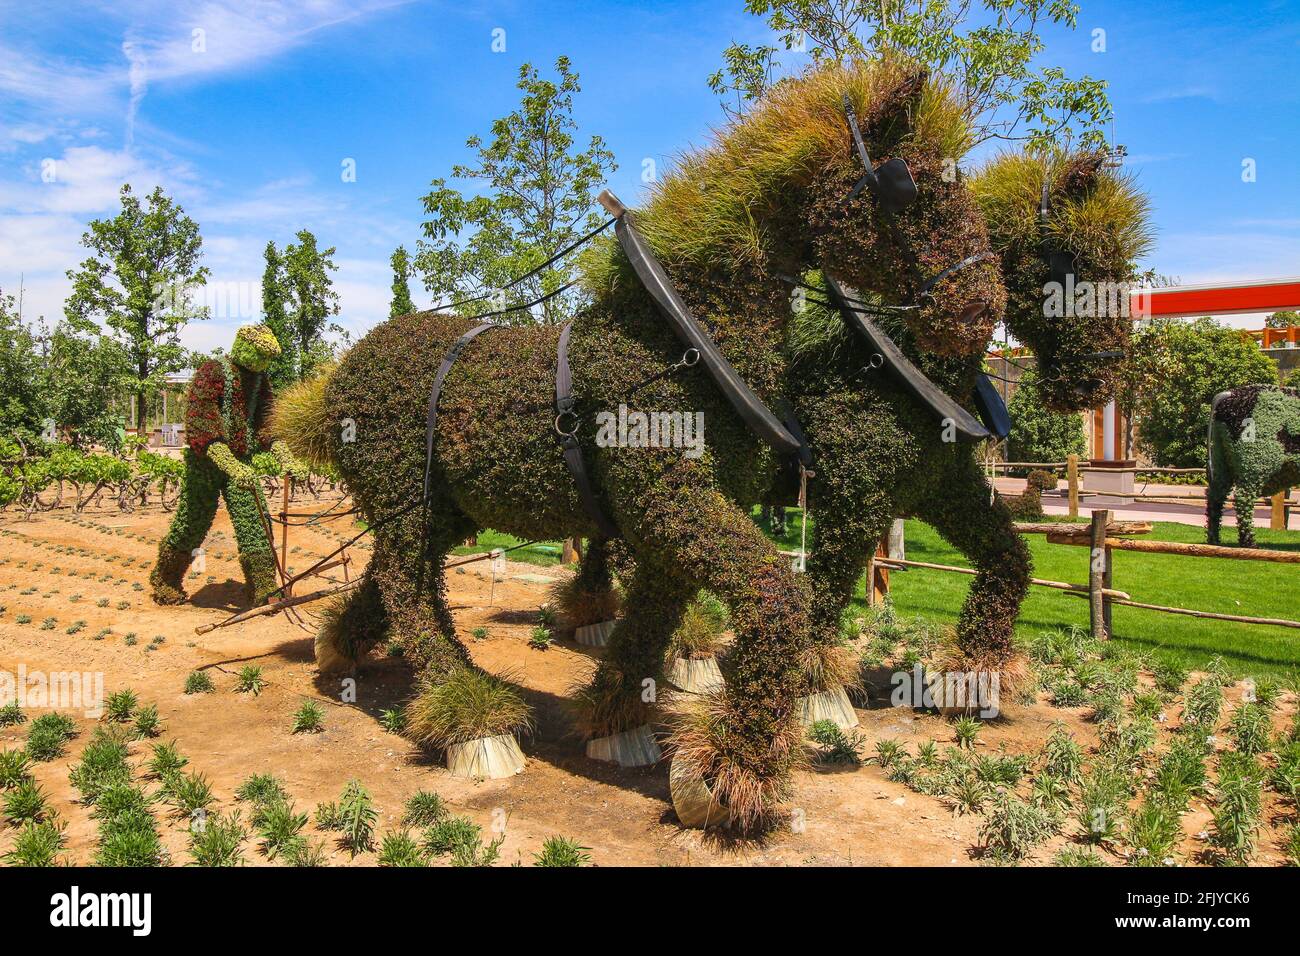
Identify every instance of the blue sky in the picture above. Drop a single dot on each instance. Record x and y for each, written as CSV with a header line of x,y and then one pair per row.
x,y
251,132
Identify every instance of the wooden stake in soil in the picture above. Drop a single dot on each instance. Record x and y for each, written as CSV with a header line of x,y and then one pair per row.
x,y
1072,477
1099,577
1278,513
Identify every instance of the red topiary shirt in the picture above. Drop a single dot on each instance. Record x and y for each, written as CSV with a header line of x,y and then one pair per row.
x,y
205,406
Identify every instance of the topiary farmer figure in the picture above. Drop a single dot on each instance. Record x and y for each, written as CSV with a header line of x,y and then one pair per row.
x,y
226,411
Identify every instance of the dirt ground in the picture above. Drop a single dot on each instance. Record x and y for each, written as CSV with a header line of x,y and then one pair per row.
x,y
850,816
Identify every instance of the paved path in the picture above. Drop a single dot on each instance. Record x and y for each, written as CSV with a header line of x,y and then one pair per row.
x,y
1193,514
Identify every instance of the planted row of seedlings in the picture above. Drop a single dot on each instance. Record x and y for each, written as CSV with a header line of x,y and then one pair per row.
x,y
1164,751
128,812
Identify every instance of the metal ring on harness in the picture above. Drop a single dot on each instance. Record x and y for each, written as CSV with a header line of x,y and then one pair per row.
x,y
690,357
572,431
873,363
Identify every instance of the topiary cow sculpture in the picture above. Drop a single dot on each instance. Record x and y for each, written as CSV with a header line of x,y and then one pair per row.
x,y
1254,451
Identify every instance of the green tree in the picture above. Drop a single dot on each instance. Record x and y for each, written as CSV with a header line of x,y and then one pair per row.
x,y
402,272
81,378
1037,433
1176,370
540,197
312,299
275,296
23,405
138,284
987,48
1283,320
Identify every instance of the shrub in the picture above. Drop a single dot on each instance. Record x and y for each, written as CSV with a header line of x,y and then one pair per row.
x,y
561,851
423,809
166,760
1154,833
48,734
540,638
836,746
14,768
465,706
356,818
261,788
309,719
103,764
1250,728
1204,703
188,792
1074,856
11,715
1062,756
218,841
25,802
966,729
38,843
1037,432
399,849
1235,825
1013,828
199,682
250,680
279,823
147,722
1170,676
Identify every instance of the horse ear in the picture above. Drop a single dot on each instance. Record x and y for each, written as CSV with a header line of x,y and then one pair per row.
x,y
1079,171
893,119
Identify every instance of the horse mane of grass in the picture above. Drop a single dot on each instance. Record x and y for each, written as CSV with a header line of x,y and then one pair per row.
x,y
708,211
465,705
303,419
1093,211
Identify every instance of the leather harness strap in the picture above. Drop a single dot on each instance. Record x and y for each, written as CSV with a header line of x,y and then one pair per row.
x,y
564,412
431,420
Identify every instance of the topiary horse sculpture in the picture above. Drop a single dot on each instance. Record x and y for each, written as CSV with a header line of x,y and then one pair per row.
x,y
1254,451
1056,221
779,191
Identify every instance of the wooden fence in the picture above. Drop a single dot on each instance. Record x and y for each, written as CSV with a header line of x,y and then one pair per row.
x,y
1102,537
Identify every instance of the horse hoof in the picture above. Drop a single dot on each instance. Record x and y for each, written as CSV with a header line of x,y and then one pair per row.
x,y
693,801
696,675
631,748
833,705
488,758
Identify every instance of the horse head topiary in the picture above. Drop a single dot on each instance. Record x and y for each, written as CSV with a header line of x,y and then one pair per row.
x,y
1070,230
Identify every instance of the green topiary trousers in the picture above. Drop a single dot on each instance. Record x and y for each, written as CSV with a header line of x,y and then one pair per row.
x,y
201,486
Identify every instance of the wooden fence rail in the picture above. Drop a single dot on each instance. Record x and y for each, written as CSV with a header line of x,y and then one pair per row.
x,y
1102,536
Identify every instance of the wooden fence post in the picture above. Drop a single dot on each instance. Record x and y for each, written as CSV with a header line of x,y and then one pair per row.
x,y
1279,512
1072,477
1099,576
877,576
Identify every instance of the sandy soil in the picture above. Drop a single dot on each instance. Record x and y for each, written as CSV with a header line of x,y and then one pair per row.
x,y
852,816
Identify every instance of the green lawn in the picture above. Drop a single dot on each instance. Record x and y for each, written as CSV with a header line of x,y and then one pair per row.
x,y
1254,588
543,552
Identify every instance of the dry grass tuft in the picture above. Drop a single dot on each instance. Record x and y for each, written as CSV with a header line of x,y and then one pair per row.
x,y
752,790
576,606
609,705
1109,221
337,649
303,420
828,666
700,632
708,210
465,705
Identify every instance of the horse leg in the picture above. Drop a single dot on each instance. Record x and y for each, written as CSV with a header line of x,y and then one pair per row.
x,y
1244,497
407,567
256,555
624,690
744,742
1215,497
985,534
